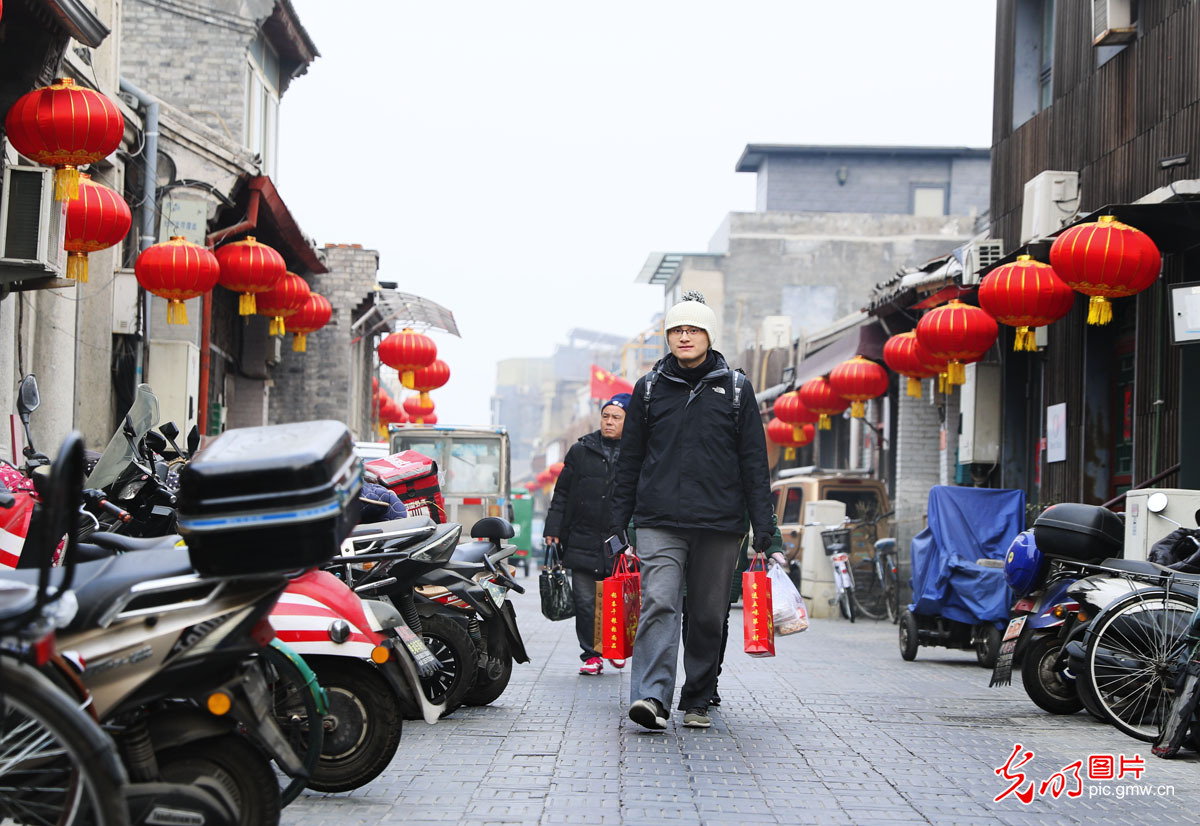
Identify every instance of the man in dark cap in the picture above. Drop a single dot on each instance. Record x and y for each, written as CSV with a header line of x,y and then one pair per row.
x,y
578,520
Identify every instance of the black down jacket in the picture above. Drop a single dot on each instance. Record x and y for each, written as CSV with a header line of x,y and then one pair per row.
x,y
579,514
684,464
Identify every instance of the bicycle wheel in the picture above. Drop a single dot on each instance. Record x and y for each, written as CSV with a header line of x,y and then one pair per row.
x,y
868,590
56,764
891,588
846,604
1133,656
299,710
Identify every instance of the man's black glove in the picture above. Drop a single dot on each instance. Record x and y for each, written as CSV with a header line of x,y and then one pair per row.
x,y
762,541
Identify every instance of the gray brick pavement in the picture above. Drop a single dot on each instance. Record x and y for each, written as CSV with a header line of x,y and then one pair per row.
x,y
836,729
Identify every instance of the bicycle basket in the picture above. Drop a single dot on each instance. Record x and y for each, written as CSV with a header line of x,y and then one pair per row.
x,y
835,539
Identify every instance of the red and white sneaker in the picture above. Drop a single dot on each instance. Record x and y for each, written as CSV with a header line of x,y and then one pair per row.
x,y
592,667
617,663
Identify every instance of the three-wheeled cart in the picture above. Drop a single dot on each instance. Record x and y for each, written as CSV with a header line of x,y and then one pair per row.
x,y
960,596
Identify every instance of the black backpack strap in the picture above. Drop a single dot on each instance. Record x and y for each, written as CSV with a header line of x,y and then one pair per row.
x,y
651,377
739,379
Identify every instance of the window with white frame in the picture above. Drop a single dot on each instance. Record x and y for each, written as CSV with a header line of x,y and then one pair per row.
x,y
261,126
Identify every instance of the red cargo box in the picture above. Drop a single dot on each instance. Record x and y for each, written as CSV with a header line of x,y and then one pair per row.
x,y
413,477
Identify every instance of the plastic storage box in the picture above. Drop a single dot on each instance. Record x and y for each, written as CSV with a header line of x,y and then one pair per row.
x,y
270,498
1082,533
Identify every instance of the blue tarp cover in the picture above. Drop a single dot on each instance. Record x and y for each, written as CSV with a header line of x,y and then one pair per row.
x,y
965,524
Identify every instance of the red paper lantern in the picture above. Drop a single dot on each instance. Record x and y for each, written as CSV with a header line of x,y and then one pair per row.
x,y
905,355
858,380
790,410
431,377
820,398
556,469
1025,294
419,410
1105,259
959,334
98,219
406,352
64,126
282,301
177,270
430,419
785,434
545,478
312,316
532,486
374,382
248,267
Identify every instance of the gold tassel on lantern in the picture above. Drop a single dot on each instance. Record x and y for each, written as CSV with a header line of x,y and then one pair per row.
x,y
858,409
1025,340
797,433
66,183
299,343
823,422
941,382
914,387
247,304
77,268
424,397
956,373
176,312
1099,310
789,454
275,327
407,378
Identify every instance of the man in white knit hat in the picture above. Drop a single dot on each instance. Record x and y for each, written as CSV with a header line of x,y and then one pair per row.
x,y
693,464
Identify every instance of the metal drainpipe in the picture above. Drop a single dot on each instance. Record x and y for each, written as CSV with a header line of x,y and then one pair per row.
x,y
149,207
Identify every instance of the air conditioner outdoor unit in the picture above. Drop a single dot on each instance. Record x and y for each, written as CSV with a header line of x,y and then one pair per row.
x,y
32,225
1051,199
980,256
1112,23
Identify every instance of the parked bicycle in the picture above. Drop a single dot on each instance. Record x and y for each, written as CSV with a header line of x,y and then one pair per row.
x,y
837,545
876,591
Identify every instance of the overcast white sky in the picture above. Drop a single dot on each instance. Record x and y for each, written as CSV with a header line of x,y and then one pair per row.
x,y
517,161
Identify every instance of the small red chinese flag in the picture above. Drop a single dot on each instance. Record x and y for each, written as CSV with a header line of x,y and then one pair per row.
x,y
605,385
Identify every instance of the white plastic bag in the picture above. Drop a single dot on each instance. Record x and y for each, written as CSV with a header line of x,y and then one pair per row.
x,y
790,615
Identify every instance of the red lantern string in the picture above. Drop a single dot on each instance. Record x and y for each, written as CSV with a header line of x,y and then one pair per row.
x,y
281,302
858,380
1105,259
249,267
98,219
958,334
177,270
314,315
820,398
64,126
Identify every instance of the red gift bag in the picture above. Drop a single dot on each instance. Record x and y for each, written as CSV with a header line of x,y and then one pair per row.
x,y
757,615
622,608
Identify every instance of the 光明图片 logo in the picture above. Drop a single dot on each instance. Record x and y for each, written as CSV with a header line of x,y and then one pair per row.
x,y
1068,781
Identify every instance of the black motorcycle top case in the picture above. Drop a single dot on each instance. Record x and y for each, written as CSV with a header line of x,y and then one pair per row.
x,y
273,498
1083,533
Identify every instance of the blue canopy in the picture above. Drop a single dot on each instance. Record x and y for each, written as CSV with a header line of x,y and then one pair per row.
x,y
965,524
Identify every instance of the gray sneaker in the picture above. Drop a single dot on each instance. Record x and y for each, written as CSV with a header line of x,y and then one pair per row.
x,y
697,718
649,713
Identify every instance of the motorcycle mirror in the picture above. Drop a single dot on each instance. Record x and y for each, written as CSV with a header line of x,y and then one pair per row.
x,y
169,429
193,440
156,441
1156,502
128,429
28,399
40,476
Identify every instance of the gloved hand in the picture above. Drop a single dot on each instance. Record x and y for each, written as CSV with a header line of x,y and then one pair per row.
x,y
762,542
621,535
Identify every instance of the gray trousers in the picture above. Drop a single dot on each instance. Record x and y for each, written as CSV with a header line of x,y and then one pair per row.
x,y
583,588
704,562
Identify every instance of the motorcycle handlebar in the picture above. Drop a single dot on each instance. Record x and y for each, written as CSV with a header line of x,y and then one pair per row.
x,y
99,500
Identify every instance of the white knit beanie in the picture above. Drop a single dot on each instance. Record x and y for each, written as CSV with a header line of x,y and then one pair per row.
x,y
692,311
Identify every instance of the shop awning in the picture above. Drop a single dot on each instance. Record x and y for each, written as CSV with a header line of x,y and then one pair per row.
x,y
866,340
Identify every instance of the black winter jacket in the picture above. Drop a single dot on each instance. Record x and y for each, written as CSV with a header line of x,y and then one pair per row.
x,y
685,465
579,510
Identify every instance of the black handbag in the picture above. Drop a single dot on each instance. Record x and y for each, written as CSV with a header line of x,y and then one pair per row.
x,y
554,584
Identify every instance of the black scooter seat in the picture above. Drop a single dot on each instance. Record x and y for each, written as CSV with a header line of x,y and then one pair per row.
x,y
472,552
408,523
98,585
120,542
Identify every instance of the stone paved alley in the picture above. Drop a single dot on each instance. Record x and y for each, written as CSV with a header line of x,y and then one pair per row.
x,y
836,729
